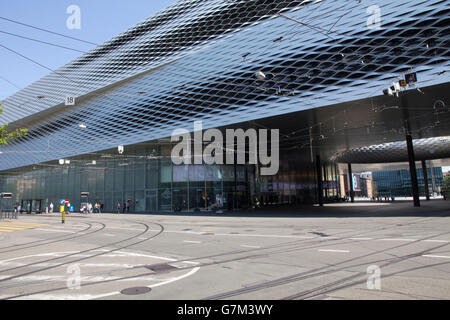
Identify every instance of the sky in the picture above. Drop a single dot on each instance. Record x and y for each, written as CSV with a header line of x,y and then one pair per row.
x,y
100,20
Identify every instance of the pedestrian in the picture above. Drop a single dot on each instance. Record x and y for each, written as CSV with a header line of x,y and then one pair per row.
x,y
51,207
118,207
124,207
128,206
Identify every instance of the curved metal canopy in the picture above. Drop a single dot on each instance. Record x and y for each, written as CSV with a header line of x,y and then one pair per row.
x,y
424,149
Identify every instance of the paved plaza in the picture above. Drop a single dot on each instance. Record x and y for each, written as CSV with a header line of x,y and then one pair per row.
x,y
342,251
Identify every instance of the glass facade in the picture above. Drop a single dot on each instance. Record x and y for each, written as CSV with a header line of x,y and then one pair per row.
x,y
146,178
397,183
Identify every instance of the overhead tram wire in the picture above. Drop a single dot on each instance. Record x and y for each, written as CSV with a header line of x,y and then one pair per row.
x,y
304,129
40,41
322,122
48,31
11,83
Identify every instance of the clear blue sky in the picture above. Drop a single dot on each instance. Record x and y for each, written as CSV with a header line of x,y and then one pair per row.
x,y
100,21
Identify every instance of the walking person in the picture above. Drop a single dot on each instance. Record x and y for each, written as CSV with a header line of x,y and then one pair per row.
x,y
51,207
118,207
124,207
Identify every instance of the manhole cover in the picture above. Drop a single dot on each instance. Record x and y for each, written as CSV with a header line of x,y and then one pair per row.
x,y
161,267
135,291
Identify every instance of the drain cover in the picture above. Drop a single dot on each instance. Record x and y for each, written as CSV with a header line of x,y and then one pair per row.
x,y
135,291
161,267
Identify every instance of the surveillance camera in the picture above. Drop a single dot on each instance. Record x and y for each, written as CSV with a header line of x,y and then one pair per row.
x,y
260,75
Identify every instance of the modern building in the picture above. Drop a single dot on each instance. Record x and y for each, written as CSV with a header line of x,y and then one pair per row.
x,y
319,71
397,183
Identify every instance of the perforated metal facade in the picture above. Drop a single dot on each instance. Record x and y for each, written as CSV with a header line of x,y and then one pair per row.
x,y
197,60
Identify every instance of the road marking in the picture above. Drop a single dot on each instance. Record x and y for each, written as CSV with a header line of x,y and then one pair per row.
x,y
247,246
435,256
263,235
440,241
64,231
109,235
241,234
26,225
134,229
160,281
331,250
394,239
189,241
194,270
360,239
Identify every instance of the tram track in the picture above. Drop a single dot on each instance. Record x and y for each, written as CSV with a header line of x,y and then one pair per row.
x,y
32,244
260,252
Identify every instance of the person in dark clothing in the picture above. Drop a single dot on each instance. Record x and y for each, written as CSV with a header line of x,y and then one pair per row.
x,y
124,207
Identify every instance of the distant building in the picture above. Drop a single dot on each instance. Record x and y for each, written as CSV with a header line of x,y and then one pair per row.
x,y
362,184
397,183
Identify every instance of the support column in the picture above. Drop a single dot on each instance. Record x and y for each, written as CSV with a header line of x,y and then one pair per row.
x,y
350,182
319,181
412,171
425,180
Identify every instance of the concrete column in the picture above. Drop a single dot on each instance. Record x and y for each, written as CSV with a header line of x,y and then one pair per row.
x,y
412,170
350,180
425,180
319,181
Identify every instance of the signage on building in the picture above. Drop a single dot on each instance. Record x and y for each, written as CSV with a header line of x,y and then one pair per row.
x,y
6,195
356,180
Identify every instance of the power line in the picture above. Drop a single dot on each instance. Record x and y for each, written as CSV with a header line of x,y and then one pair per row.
x,y
40,41
11,83
48,31
25,57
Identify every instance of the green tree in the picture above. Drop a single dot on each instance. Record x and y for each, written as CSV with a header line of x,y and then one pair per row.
x,y
446,187
6,135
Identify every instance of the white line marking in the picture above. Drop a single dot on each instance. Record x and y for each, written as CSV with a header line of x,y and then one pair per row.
x,y
188,241
243,234
360,239
67,231
393,239
152,286
441,241
263,235
126,229
331,250
247,246
434,256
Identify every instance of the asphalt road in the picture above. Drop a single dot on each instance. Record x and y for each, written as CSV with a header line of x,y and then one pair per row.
x,y
356,251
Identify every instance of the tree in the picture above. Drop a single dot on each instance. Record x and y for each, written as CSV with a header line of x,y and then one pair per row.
x,y
6,136
446,187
